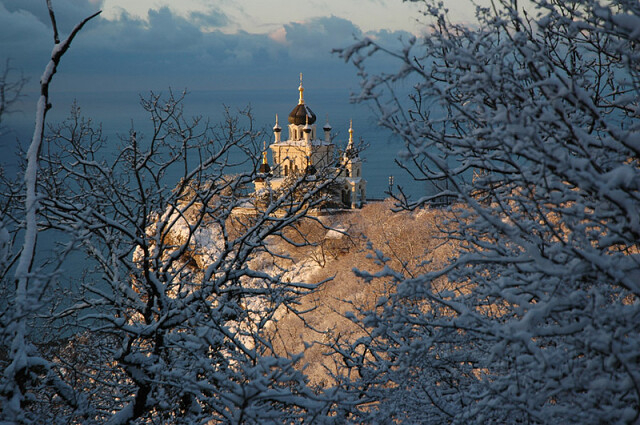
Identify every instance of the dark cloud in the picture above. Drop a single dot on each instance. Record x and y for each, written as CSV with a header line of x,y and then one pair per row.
x,y
24,40
134,56
169,46
68,12
111,62
320,35
162,32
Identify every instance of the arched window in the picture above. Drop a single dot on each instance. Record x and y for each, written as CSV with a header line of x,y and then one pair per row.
x,y
286,170
345,197
358,172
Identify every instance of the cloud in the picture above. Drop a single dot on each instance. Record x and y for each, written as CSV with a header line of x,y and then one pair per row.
x,y
319,35
114,60
24,39
279,36
68,12
135,55
209,20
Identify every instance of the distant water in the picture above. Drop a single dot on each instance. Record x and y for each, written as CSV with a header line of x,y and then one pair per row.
x,y
118,111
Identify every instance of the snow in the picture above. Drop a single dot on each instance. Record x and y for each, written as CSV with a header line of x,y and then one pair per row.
x,y
547,222
630,23
336,233
298,143
534,319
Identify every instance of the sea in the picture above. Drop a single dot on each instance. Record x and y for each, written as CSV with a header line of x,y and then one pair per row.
x,y
118,112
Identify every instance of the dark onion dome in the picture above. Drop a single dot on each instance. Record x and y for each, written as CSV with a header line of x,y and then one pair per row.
x,y
263,171
310,168
264,168
300,114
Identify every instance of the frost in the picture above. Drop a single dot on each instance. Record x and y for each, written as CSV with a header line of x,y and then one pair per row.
x,y
534,319
172,318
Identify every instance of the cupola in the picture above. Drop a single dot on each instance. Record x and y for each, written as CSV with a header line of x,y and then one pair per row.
x,y
310,170
350,151
276,130
264,167
327,131
264,170
301,112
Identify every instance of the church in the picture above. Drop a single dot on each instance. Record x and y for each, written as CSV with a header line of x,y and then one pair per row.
x,y
304,152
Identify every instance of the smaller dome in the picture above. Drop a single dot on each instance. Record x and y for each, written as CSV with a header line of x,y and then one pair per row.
x,y
311,170
264,168
327,126
277,128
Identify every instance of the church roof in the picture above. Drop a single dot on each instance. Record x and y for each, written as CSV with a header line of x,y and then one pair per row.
x,y
264,168
299,114
277,127
327,126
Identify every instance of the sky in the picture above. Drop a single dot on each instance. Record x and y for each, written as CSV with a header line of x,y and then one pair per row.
x,y
246,44
260,16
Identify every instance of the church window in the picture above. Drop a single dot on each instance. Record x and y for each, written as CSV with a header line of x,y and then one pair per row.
x,y
345,197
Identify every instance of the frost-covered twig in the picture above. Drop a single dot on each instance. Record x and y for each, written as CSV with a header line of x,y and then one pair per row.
x,y
28,286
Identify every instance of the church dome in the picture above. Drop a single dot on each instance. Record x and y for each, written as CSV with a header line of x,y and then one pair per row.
x,y
311,170
300,113
264,168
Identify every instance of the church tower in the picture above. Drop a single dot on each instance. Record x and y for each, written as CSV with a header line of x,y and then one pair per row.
x,y
292,156
304,152
354,192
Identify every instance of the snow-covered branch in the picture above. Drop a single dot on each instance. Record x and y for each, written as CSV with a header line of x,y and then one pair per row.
x,y
529,119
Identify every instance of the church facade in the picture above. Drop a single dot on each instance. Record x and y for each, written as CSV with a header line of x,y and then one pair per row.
x,y
304,151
